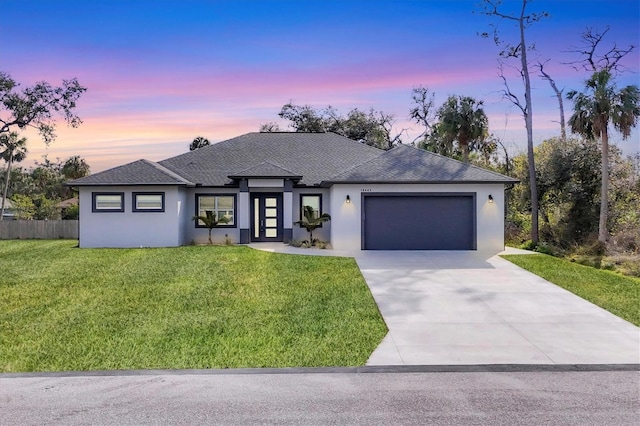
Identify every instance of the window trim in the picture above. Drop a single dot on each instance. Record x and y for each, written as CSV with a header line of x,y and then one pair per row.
x,y
135,209
235,208
95,209
311,194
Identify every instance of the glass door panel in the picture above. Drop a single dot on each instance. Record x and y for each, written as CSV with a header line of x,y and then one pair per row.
x,y
267,217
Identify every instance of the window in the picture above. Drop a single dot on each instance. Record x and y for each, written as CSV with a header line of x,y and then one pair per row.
x,y
107,201
312,200
220,205
148,202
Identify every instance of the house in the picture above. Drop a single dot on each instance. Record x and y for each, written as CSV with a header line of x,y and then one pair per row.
x,y
9,212
68,208
401,199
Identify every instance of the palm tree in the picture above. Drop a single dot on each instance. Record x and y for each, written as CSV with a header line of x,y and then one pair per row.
x,y
461,119
210,221
592,112
12,150
310,222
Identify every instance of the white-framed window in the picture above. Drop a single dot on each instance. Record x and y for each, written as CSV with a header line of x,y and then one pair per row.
x,y
222,205
148,202
107,202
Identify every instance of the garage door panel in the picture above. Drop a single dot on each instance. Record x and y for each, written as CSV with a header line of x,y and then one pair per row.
x,y
419,223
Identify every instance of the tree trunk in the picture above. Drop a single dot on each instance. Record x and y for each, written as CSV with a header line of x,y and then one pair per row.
x,y
6,186
603,233
529,125
465,152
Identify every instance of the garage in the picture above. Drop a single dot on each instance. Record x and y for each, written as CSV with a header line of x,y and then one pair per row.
x,y
433,221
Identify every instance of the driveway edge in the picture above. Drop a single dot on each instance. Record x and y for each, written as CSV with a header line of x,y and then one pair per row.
x,y
477,368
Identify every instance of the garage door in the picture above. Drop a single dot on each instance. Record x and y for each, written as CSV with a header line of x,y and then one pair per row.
x,y
419,222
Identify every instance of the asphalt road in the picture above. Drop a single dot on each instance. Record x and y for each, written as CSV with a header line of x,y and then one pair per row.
x,y
470,398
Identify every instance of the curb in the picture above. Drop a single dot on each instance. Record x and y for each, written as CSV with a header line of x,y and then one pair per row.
x,y
387,369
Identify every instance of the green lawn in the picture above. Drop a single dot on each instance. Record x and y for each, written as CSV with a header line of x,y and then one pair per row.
x,y
65,308
617,294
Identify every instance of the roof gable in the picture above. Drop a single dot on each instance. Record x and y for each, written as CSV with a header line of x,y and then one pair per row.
x,y
141,172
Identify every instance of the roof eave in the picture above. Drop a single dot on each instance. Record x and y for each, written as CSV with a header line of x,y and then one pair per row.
x,y
72,185
235,177
440,182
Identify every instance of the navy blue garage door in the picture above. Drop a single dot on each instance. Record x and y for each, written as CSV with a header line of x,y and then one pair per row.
x,y
419,222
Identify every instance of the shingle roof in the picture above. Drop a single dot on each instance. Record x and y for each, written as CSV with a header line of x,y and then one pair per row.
x,y
408,164
314,156
309,158
265,169
141,172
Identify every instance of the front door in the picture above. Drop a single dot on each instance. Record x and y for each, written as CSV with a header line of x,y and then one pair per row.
x,y
266,212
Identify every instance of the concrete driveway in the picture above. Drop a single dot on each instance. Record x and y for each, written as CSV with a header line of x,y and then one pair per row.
x,y
475,308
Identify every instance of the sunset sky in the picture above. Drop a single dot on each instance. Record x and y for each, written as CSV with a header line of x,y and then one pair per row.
x,y
160,73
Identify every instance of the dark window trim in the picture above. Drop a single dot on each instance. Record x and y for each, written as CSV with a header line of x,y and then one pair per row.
x,y
137,210
235,208
96,210
310,194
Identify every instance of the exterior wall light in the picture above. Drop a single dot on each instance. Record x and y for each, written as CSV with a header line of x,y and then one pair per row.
x,y
490,198
348,199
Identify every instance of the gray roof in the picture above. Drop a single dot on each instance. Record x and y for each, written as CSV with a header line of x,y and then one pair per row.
x,y
265,169
311,159
141,172
314,156
408,164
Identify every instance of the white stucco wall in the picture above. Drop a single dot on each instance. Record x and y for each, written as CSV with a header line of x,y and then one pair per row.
x,y
324,233
218,235
128,228
346,217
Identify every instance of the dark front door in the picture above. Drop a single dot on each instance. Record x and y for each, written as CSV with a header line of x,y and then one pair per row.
x,y
266,217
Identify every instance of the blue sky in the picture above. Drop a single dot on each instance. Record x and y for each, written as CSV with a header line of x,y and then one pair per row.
x,y
160,73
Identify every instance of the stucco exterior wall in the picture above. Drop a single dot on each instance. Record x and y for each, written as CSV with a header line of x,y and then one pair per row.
x,y
218,235
128,228
346,223
324,233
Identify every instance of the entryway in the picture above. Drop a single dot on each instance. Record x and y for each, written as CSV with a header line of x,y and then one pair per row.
x,y
266,214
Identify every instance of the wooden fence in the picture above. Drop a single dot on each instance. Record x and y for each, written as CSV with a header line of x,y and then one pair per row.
x,y
38,229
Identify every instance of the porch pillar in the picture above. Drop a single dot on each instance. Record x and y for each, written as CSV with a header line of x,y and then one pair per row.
x,y
287,231
243,212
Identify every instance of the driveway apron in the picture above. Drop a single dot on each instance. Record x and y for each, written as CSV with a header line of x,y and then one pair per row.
x,y
477,308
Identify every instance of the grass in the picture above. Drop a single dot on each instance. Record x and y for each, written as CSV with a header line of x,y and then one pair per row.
x,y
617,294
64,308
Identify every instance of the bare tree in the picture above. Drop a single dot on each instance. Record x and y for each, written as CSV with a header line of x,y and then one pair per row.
x,y
423,110
592,56
558,92
519,51
270,127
